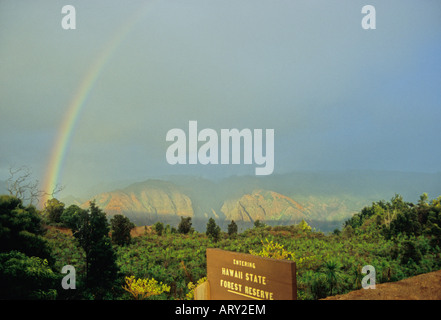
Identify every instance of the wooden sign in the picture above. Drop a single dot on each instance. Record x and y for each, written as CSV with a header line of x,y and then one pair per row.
x,y
239,276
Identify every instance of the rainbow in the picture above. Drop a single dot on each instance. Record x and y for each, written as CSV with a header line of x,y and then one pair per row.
x,y
67,128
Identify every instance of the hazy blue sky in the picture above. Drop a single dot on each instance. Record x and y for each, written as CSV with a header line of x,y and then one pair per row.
x,y
338,96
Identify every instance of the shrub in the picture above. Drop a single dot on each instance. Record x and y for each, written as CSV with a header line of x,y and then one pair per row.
x,y
142,289
184,226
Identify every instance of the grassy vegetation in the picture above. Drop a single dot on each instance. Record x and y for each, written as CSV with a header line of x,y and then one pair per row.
x,y
326,264
399,239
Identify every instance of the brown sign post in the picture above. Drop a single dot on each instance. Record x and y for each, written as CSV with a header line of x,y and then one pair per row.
x,y
239,276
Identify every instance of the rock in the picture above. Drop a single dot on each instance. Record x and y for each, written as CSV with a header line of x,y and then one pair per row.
x,y
263,205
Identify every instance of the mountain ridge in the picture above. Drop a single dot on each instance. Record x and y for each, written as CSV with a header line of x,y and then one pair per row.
x,y
327,197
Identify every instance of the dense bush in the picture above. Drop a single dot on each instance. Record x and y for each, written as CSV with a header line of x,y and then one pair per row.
x,y
121,227
24,277
26,259
399,239
184,226
213,230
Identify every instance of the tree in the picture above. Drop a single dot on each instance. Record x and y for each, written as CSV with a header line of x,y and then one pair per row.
x,y
213,230
159,227
332,274
232,229
184,226
258,224
72,216
423,199
121,227
348,231
433,225
317,284
20,185
53,210
25,257
21,229
410,252
406,222
24,277
93,237
304,226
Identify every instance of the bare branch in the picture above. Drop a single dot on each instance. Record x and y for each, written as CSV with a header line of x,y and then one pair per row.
x,y
58,188
20,185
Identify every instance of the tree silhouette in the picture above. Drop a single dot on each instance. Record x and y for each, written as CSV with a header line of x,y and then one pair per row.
x,y
121,226
93,237
332,274
232,229
184,226
213,230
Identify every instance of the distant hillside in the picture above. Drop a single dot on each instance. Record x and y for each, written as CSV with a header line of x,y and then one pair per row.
x,y
70,199
147,202
155,200
264,205
325,200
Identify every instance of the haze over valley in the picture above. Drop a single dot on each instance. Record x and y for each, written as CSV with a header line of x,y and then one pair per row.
x,y
323,199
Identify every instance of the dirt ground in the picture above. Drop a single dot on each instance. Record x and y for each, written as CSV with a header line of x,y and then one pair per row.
x,y
135,232
139,231
422,287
